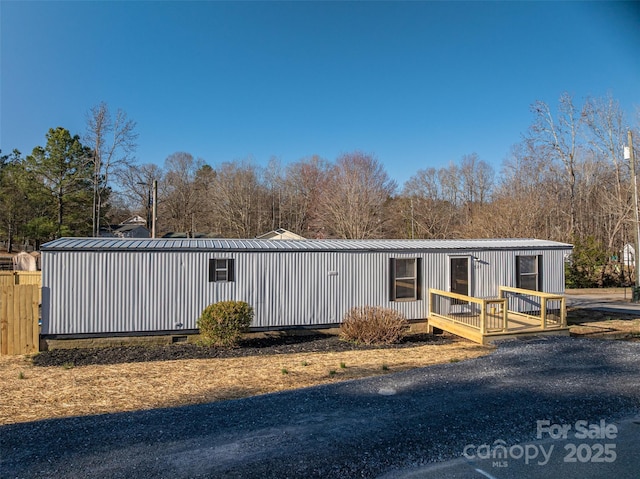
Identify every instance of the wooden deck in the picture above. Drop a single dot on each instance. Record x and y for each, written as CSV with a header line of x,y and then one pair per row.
x,y
487,320
516,327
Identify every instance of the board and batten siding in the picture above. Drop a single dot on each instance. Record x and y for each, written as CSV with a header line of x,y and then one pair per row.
x,y
121,290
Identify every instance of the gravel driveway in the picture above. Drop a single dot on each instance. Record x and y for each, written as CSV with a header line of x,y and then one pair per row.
x,y
361,428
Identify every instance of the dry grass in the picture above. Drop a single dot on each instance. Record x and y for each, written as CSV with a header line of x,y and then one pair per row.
x,y
31,393
614,328
602,324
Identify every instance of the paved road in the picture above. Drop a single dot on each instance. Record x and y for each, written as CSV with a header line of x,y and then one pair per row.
x,y
392,426
612,302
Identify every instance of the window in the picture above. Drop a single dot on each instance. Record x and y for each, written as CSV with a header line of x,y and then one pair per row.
x,y
220,270
528,272
405,279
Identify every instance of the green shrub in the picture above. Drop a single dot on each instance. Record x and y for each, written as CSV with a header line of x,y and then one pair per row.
x,y
222,324
592,266
373,325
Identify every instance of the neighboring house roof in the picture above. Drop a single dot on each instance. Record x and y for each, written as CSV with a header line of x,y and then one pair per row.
x,y
134,220
179,234
280,234
132,227
125,231
132,231
190,244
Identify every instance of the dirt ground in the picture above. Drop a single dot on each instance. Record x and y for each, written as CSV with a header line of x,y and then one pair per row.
x,y
32,392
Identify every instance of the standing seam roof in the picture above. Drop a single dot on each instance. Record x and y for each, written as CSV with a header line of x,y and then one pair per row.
x,y
199,244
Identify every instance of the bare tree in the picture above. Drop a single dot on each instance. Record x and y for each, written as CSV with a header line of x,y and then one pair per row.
x,y
273,182
559,137
607,135
356,193
238,200
112,141
303,185
449,179
523,204
476,181
181,196
204,216
425,184
136,183
427,209
477,178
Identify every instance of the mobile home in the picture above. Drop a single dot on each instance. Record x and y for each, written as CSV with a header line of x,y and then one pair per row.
x,y
104,286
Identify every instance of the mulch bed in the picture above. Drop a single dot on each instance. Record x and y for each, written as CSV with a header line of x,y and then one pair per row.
x,y
319,343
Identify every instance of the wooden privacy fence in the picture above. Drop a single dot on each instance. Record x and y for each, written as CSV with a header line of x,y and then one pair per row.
x,y
8,278
19,319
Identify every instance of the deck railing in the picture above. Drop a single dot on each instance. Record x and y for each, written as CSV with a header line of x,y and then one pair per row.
x,y
493,315
485,315
547,308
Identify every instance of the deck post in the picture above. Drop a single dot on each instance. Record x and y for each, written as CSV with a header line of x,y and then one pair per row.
x,y
430,310
543,312
505,315
483,317
505,309
431,301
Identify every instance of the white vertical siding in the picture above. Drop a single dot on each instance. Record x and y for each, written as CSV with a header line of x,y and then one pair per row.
x,y
136,291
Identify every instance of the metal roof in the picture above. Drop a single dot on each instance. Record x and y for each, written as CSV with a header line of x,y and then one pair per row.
x,y
208,244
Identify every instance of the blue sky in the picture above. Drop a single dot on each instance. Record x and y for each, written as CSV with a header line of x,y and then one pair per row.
x,y
417,84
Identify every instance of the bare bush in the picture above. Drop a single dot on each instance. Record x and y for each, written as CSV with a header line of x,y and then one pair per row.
x,y
373,325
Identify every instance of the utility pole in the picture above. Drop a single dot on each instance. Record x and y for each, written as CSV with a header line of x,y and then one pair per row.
x,y
636,227
154,209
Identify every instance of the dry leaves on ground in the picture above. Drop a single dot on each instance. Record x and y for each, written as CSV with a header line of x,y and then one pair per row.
x,y
32,393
